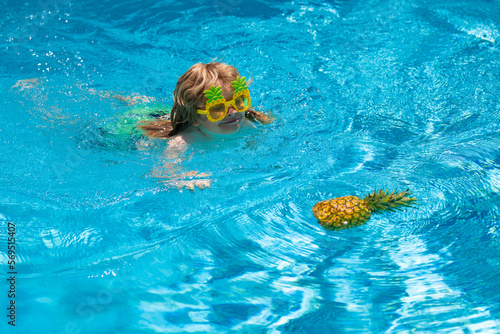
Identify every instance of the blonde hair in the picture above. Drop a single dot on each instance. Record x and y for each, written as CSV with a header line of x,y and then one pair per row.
x,y
188,94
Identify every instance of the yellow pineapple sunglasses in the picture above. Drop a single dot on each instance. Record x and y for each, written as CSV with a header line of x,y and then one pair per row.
x,y
217,106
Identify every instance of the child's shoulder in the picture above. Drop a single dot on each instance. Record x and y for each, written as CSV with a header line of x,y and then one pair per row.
x,y
185,138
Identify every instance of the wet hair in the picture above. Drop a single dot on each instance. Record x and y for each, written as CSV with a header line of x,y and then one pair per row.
x,y
188,94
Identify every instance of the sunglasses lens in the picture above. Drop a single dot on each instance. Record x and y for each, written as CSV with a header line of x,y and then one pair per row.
x,y
242,102
217,111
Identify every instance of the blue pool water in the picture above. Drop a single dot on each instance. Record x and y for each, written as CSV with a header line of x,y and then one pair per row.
x,y
366,94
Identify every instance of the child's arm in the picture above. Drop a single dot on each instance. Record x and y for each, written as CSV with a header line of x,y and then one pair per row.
x,y
130,100
134,99
172,172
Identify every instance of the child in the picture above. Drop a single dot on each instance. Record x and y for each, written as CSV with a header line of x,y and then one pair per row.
x,y
210,100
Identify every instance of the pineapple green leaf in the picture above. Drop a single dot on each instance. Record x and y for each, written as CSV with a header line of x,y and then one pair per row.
x,y
382,201
239,84
214,93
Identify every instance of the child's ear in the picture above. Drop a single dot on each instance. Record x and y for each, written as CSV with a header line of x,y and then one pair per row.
x,y
195,123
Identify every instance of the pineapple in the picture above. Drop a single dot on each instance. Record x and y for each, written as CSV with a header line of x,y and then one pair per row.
x,y
350,211
241,95
214,96
239,84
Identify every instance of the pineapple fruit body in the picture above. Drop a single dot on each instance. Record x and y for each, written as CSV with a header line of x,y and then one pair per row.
x,y
342,212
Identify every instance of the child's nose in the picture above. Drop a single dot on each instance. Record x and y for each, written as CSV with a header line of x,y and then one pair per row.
x,y
231,110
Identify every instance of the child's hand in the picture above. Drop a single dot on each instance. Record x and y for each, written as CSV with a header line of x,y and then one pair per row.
x,y
201,181
192,184
26,84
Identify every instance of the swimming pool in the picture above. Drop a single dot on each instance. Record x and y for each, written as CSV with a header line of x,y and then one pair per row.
x,y
366,95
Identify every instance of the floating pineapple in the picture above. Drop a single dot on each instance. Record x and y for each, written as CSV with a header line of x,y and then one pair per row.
x,y
350,211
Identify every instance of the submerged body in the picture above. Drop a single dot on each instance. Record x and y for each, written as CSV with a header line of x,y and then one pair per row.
x,y
210,101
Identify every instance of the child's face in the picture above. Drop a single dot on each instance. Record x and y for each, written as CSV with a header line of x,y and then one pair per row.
x,y
229,124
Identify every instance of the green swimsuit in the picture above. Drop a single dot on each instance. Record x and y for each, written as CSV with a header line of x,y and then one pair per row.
x,y
123,123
